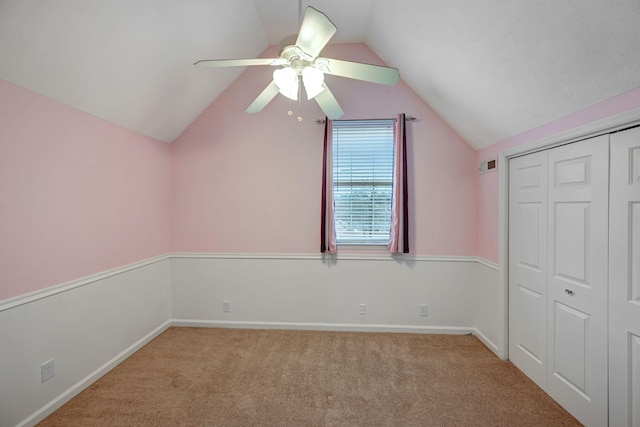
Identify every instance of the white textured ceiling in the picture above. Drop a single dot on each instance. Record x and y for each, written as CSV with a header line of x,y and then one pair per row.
x,y
490,68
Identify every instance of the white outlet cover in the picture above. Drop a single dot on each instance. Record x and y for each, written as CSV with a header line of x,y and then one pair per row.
x,y
48,370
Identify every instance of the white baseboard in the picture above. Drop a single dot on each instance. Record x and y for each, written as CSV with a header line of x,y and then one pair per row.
x,y
186,323
323,326
81,385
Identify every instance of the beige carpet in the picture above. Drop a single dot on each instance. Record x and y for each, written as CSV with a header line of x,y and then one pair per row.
x,y
228,377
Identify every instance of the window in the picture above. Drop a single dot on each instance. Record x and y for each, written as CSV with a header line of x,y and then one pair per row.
x,y
365,195
362,180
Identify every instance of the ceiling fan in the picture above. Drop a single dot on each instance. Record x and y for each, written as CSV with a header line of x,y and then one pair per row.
x,y
299,59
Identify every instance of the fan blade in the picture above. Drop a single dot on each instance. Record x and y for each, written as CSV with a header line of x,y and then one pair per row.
x,y
264,98
315,32
329,103
213,63
359,71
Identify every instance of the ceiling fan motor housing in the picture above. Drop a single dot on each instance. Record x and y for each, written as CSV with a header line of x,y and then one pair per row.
x,y
291,52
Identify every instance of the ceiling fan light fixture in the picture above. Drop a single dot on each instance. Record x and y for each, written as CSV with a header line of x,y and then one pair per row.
x,y
300,57
287,81
313,80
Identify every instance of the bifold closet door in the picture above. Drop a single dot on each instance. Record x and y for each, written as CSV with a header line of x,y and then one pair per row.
x,y
528,265
624,280
578,219
558,246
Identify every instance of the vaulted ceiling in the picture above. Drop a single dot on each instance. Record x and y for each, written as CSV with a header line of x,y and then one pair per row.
x,y
490,68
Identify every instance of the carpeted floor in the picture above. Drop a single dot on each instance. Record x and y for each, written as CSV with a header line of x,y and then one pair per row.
x,y
229,377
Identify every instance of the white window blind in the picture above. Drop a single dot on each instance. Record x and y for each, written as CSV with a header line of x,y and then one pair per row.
x,y
362,180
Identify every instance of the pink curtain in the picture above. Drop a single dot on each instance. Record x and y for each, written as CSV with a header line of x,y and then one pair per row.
x,y
399,233
327,224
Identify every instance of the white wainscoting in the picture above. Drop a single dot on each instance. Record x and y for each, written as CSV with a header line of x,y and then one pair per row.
x,y
309,292
489,307
88,326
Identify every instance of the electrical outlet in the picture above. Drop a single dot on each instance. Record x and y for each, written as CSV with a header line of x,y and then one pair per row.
x,y
226,306
423,310
48,370
363,308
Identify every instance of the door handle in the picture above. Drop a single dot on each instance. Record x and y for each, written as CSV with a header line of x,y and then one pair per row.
x,y
569,292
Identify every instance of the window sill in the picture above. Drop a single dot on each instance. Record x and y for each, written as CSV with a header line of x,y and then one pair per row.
x,y
363,246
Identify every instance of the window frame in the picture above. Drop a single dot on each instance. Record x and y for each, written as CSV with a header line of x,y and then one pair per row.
x,y
361,242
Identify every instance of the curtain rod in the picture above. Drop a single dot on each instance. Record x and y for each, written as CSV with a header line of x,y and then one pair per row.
x,y
407,118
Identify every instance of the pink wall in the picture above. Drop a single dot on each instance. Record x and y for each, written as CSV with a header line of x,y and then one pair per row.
x,y
488,183
78,195
250,183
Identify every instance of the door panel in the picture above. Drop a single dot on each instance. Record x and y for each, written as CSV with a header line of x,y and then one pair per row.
x,y
634,376
573,172
577,278
528,265
624,280
635,158
571,241
530,305
634,256
571,347
530,216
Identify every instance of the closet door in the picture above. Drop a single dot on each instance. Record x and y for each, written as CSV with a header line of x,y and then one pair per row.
x,y
528,265
624,280
577,278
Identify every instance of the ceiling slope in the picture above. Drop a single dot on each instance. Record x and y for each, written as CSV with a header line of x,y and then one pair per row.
x,y
496,68
128,62
491,68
